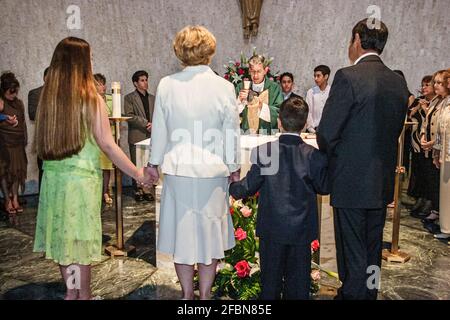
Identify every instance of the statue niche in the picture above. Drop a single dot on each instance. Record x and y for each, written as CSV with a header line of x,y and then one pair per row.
x,y
251,11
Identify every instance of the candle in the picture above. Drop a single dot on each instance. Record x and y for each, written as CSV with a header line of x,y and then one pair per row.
x,y
117,109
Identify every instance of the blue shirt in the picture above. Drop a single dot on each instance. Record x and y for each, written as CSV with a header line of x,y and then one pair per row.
x,y
3,117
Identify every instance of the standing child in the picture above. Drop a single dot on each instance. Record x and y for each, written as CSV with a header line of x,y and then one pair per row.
x,y
287,216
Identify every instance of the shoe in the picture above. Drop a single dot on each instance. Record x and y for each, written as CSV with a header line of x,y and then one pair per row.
x,y
433,216
418,205
442,236
423,212
432,228
149,197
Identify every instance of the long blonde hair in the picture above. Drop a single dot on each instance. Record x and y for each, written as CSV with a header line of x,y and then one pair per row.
x,y
68,103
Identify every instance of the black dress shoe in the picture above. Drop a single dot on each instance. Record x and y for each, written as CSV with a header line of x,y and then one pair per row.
x,y
418,205
139,197
149,197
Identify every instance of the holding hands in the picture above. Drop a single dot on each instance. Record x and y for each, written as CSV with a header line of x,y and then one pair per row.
x,y
147,176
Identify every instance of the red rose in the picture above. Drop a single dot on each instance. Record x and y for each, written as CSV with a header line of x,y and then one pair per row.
x,y
257,194
226,76
241,71
237,64
240,234
231,210
315,245
242,269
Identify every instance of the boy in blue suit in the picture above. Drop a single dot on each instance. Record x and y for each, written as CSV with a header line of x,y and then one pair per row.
x,y
289,174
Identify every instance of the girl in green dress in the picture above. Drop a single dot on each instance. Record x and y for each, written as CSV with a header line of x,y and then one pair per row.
x,y
72,126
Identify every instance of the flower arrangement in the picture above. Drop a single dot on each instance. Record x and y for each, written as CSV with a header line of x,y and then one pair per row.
x,y
237,71
239,272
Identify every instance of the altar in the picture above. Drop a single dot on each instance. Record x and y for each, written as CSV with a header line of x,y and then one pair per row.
x,y
247,144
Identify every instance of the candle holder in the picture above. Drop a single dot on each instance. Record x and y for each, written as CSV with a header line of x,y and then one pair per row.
x,y
394,254
119,249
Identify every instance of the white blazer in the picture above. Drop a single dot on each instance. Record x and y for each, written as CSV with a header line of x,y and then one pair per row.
x,y
195,128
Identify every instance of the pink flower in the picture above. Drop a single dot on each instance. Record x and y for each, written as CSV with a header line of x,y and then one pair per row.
x,y
246,212
242,269
240,234
241,71
237,64
257,194
226,76
271,79
315,245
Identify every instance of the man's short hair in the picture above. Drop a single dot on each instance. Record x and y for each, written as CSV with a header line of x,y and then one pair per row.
x,y
287,74
427,79
324,69
372,38
139,74
293,114
100,78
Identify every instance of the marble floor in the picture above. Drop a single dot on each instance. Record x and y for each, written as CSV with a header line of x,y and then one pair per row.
x,y
146,274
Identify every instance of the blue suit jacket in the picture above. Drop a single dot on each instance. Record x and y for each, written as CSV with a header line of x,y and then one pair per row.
x,y
287,209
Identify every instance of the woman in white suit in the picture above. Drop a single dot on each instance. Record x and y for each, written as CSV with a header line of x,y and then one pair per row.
x,y
195,140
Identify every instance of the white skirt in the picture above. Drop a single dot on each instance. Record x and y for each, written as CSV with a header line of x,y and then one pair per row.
x,y
195,225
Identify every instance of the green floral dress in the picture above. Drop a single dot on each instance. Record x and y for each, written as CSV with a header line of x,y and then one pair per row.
x,y
68,225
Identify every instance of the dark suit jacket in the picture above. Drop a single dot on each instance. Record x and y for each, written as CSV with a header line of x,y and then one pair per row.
x,y
359,130
134,108
33,101
287,208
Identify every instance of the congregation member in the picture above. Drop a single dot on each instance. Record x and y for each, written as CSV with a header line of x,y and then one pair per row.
x,y
317,96
13,139
417,182
72,127
287,209
359,131
428,135
260,116
139,105
442,153
287,85
195,225
33,102
105,164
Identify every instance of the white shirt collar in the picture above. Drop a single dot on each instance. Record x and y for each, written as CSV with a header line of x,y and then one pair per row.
x,y
199,68
286,95
290,134
258,87
366,55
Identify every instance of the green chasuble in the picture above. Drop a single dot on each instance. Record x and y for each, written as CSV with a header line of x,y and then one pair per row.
x,y
275,100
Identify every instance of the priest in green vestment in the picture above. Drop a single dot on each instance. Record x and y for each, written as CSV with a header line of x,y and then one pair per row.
x,y
263,120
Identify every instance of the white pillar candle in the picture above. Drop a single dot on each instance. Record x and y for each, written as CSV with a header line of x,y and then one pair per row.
x,y
117,109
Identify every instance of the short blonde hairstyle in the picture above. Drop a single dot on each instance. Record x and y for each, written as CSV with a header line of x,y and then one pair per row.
x,y
194,45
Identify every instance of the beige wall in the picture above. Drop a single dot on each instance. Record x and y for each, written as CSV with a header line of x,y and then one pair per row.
x,y
127,35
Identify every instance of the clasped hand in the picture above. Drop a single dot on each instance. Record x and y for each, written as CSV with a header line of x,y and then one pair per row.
x,y
147,176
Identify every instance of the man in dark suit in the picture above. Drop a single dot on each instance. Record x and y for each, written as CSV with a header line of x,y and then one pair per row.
x,y
139,105
287,210
287,85
33,101
361,123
